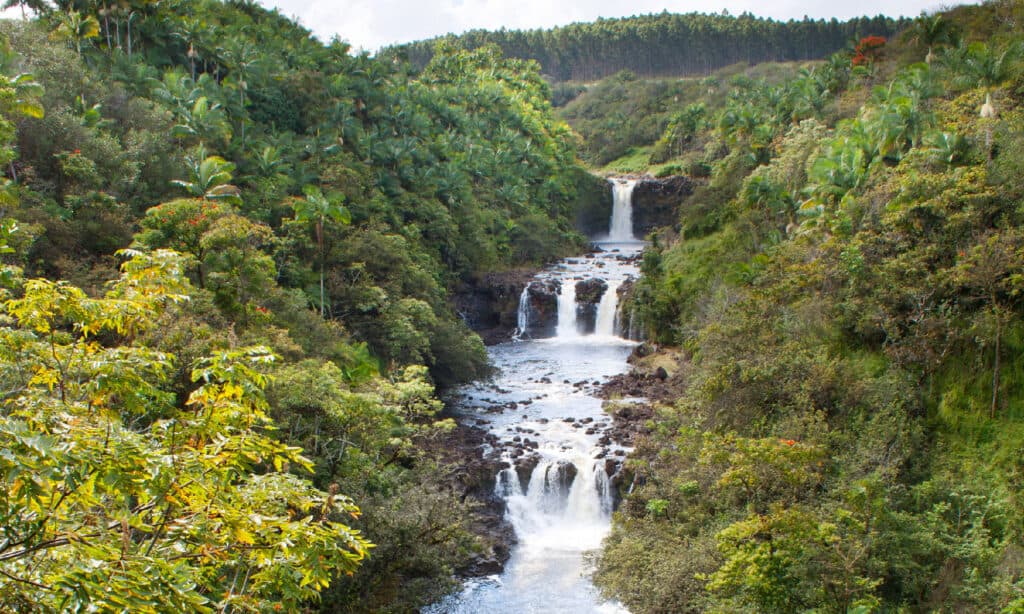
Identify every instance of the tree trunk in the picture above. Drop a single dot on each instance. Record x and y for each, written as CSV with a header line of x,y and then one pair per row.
x,y
106,26
995,366
321,288
320,242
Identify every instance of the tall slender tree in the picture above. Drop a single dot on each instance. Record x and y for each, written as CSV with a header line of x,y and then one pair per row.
x,y
319,209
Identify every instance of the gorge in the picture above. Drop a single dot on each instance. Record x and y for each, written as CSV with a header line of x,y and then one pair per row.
x,y
550,431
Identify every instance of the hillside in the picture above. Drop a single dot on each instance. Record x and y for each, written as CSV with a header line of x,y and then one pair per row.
x,y
228,258
839,315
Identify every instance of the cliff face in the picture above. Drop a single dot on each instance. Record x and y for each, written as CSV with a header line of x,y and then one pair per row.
x,y
593,208
656,202
488,304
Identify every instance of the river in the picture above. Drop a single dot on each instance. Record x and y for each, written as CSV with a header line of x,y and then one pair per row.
x,y
552,431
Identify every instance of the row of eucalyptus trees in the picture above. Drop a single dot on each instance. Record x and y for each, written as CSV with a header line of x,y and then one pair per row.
x,y
667,43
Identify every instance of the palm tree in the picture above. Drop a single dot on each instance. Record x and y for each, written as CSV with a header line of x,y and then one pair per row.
x,y
932,31
985,67
317,208
203,120
243,64
191,31
23,95
807,95
75,27
210,178
270,162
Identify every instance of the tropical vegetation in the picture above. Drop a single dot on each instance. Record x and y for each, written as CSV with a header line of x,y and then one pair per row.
x,y
228,251
845,290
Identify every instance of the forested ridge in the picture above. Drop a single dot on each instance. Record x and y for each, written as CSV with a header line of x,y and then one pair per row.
x,y
228,251
838,313
664,44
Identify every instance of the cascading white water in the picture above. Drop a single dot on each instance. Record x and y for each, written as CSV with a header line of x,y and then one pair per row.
x,y
523,313
607,309
633,331
564,507
556,485
590,500
621,329
507,484
621,227
567,327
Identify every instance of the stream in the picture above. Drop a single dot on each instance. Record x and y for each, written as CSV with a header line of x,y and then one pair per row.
x,y
552,433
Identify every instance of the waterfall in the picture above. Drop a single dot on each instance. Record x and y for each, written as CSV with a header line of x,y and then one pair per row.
x,y
507,484
606,309
556,446
567,310
523,314
617,324
549,488
621,228
562,503
591,496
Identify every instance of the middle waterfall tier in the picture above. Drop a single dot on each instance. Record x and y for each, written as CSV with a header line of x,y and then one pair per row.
x,y
607,309
567,321
570,301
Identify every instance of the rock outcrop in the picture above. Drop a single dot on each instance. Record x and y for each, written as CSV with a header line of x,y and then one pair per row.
x,y
472,474
588,297
656,202
543,300
488,304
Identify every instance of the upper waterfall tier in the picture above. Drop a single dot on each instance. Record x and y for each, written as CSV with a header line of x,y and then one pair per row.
x,y
621,227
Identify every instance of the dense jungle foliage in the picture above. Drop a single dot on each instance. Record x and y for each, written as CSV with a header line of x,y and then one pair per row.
x,y
846,288
228,250
242,419
664,44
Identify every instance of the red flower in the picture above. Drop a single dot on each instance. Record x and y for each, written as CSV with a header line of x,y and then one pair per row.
x,y
868,50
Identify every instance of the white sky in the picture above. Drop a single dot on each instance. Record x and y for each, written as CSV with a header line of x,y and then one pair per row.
x,y
371,24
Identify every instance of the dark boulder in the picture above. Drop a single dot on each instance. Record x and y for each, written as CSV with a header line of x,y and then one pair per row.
x,y
472,475
543,308
588,297
524,468
590,290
